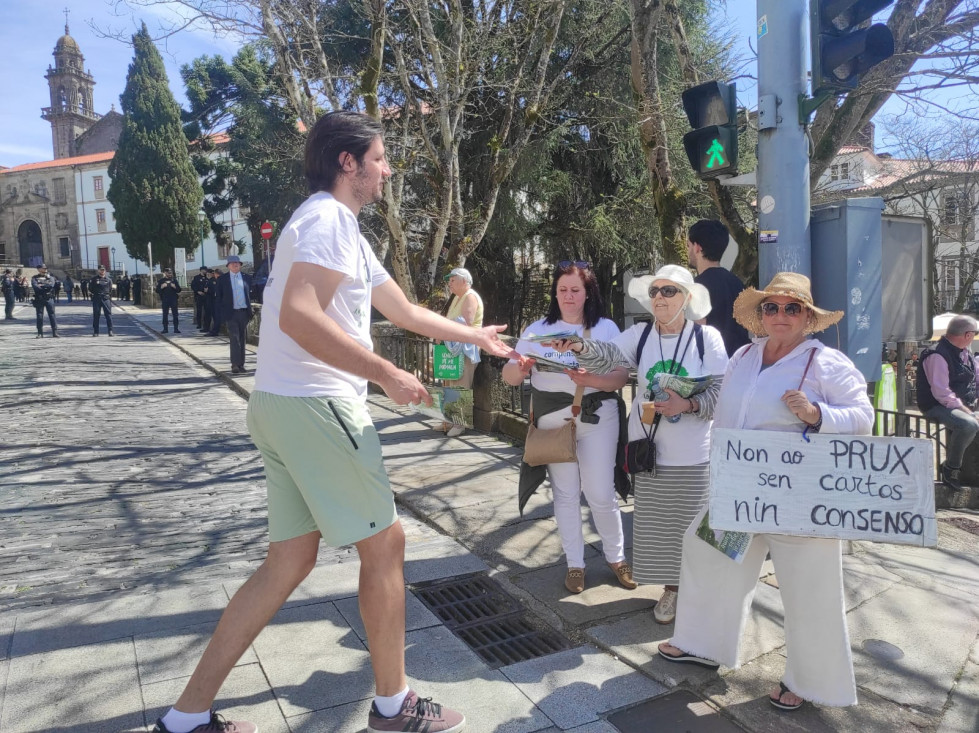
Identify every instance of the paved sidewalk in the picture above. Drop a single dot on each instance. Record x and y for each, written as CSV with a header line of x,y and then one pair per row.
x,y
133,507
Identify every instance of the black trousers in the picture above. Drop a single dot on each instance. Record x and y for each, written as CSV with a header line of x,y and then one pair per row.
x,y
237,328
198,310
215,325
100,306
167,309
40,307
8,305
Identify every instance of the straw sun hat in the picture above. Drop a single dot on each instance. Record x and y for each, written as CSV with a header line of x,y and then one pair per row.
x,y
747,306
698,299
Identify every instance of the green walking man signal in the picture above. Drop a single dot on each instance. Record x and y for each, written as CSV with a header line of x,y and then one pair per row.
x,y
712,145
715,151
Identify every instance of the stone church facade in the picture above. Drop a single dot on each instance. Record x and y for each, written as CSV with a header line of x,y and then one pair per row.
x,y
39,201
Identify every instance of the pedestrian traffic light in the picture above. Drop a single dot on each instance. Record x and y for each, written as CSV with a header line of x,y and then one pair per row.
x,y
842,50
712,146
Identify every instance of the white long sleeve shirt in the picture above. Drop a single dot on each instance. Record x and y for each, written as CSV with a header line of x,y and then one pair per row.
x,y
751,397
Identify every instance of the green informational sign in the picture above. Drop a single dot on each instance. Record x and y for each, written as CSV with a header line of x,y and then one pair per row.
x,y
445,365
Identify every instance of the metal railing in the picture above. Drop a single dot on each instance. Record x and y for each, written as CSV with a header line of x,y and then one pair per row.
x,y
912,425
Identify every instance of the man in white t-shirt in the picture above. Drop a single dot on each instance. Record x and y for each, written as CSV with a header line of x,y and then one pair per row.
x,y
308,416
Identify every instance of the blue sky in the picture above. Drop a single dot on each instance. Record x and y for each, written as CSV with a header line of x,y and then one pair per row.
x,y
28,31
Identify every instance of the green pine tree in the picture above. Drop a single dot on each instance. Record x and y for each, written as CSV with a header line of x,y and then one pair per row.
x,y
154,190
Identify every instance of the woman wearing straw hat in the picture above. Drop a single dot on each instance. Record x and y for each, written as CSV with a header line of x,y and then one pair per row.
x,y
785,382
668,500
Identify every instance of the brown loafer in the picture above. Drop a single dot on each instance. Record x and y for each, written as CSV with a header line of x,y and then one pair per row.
x,y
624,573
574,581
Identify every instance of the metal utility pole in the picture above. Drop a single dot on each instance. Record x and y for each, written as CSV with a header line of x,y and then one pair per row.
x,y
783,149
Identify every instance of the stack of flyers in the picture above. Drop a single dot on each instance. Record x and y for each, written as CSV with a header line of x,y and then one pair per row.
x,y
556,336
545,364
732,544
684,386
435,411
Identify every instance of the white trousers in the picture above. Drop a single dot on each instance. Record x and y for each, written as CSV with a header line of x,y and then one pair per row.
x,y
716,594
593,475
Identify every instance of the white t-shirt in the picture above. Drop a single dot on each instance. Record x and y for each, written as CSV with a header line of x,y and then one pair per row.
x,y
604,330
687,442
323,232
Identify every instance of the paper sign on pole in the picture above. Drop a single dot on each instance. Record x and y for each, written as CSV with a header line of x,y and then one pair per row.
x,y
852,487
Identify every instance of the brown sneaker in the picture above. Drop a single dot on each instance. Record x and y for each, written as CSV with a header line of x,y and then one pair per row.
x,y
217,724
624,573
574,581
417,714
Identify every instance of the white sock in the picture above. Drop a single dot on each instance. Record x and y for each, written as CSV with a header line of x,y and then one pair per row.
x,y
178,722
390,706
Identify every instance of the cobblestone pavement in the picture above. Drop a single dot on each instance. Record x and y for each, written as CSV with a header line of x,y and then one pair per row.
x,y
126,465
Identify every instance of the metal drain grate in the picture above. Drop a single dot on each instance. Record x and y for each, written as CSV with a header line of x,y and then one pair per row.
x,y
489,620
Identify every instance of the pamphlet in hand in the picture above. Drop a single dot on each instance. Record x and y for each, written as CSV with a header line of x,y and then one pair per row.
x,y
545,364
684,386
449,405
570,336
732,544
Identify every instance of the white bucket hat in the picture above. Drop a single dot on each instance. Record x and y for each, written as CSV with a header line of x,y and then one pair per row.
x,y
698,299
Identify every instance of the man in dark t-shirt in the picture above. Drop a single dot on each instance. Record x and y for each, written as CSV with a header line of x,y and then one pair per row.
x,y
706,242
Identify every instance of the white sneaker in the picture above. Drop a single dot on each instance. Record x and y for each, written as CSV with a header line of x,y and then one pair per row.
x,y
665,610
455,431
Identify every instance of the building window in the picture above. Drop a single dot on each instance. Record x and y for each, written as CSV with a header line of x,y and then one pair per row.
x,y
834,173
65,246
100,219
59,191
844,171
99,191
3,252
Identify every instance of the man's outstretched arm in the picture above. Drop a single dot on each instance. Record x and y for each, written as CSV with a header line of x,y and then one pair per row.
x,y
389,299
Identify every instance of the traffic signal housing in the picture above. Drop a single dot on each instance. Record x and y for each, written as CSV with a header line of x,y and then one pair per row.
x,y
712,146
842,50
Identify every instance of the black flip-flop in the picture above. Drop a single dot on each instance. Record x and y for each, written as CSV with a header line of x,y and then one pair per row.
x,y
777,702
685,658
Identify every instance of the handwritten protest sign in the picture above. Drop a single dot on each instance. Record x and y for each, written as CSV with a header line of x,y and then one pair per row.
x,y
852,487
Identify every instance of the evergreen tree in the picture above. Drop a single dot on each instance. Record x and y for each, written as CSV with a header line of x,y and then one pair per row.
x,y
154,188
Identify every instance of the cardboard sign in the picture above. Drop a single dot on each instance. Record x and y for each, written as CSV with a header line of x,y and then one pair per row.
x,y
445,365
852,487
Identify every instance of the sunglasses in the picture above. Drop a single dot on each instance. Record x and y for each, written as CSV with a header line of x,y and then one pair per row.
x,y
668,291
580,264
791,309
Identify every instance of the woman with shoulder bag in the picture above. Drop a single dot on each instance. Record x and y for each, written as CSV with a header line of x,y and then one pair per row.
x,y
576,306
788,383
668,498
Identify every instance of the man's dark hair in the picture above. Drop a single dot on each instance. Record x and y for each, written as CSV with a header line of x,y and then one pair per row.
x,y
594,305
333,134
712,236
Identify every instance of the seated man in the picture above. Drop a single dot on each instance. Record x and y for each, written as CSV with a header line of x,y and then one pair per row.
x,y
947,392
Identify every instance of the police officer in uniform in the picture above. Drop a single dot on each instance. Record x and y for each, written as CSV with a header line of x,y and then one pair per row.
x,y
199,286
214,308
8,285
137,289
100,287
43,286
167,288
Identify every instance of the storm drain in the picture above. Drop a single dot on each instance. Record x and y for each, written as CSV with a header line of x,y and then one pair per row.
x,y
489,620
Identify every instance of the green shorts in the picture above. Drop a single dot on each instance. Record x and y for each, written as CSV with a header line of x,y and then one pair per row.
x,y
323,467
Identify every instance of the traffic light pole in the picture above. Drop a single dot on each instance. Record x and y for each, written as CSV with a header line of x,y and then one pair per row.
x,y
783,149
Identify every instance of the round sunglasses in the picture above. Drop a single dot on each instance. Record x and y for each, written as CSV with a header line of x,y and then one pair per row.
x,y
790,309
668,291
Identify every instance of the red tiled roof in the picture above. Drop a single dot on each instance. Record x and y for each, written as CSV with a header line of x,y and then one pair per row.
x,y
60,162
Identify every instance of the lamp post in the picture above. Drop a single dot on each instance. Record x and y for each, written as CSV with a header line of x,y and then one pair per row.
x,y
202,218
113,250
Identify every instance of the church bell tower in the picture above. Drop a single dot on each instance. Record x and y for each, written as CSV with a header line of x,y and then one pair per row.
x,y
72,111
